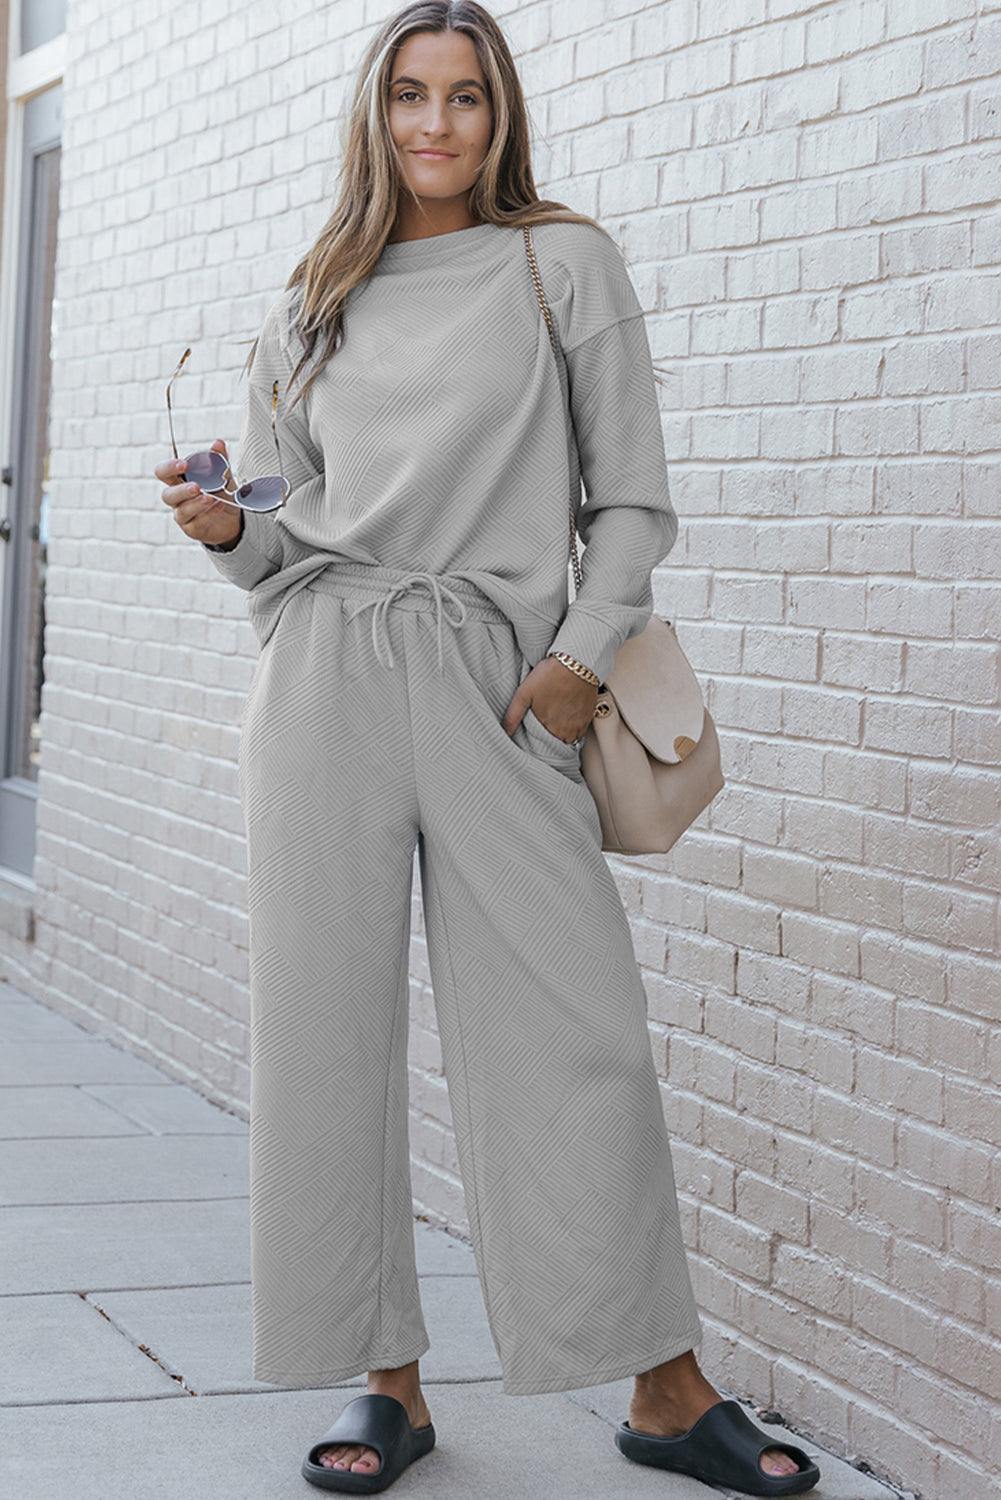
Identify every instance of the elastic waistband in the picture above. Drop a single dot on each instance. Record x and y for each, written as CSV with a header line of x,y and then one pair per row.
x,y
451,599
413,590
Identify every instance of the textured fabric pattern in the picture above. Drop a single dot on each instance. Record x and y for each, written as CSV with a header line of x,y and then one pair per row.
x,y
446,386
347,765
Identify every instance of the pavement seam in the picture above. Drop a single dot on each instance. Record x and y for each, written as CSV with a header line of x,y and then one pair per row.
x,y
174,1375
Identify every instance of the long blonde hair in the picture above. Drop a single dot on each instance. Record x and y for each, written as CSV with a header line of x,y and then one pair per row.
x,y
371,179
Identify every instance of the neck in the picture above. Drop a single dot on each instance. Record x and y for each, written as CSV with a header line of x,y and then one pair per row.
x,y
431,216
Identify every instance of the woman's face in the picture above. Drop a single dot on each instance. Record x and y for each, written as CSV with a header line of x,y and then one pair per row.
x,y
439,113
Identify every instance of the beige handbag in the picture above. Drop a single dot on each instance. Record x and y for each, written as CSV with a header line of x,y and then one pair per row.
x,y
650,756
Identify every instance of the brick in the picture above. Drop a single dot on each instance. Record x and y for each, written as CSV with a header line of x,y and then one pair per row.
x,y
835,489
811,209
859,1008
909,727
755,381
771,981
725,435
954,795
960,674
922,368
970,1108
831,946
977,732
952,916
819,714
892,311
918,248
868,897
801,99
881,196
839,145
701,960
757,491
733,1244
901,1083
842,260
762,271
812,1280
797,432
976,860
906,846
781,651
958,56
739,920
725,224
827,1059
763,1202
896,1320
968,1355
971,425
924,126
859,661
747,599
829,603
702,69
788,879
858,1246
841,374
882,546
750,813
968,299
974,1234
909,609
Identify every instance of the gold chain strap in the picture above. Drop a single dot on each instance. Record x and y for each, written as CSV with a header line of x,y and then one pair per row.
x,y
533,267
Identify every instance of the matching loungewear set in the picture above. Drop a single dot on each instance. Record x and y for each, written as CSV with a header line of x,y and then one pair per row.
x,y
416,575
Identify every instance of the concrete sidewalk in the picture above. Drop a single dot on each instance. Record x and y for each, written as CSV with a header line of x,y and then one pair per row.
x,y
125,1316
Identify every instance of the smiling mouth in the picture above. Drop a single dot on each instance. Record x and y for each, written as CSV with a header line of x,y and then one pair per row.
x,y
437,155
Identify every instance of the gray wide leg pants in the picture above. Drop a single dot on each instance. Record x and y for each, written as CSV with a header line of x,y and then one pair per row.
x,y
373,725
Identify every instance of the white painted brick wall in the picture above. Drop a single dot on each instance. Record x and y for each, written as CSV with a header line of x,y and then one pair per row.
x,y
808,193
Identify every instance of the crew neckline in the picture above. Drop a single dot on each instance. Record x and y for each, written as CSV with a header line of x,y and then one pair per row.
x,y
435,249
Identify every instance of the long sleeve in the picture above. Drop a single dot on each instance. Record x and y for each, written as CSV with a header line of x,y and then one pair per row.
x,y
627,520
265,546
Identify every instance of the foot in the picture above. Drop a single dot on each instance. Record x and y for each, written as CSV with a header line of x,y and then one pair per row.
x,y
669,1399
404,1384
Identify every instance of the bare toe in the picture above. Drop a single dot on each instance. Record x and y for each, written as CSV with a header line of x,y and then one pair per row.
x,y
774,1461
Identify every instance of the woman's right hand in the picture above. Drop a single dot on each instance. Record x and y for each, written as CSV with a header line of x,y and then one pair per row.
x,y
200,516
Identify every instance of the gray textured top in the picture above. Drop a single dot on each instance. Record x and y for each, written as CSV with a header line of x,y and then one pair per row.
x,y
437,438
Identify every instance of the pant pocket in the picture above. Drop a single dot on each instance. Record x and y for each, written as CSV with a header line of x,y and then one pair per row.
x,y
548,746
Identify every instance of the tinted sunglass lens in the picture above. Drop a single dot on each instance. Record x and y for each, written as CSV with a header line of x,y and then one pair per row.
x,y
262,494
208,470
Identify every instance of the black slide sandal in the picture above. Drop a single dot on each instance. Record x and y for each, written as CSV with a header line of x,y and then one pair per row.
x,y
370,1421
722,1449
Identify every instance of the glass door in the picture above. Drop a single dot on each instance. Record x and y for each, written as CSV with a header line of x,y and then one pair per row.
x,y
23,502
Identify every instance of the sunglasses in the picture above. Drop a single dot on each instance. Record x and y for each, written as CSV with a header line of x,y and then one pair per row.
x,y
212,473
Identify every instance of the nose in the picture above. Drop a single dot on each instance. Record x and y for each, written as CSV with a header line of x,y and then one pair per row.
x,y
435,121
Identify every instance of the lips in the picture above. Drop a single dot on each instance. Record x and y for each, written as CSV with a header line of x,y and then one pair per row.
x,y
436,155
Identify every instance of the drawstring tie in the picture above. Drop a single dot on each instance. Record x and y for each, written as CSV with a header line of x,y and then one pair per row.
x,y
442,596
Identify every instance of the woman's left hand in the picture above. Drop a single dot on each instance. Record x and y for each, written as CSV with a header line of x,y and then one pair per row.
x,y
563,701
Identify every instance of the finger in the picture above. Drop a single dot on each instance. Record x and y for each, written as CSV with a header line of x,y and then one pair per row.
x,y
515,711
176,494
193,510
171,471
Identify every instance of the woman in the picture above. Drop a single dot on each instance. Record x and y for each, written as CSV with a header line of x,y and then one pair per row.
x,y
422,683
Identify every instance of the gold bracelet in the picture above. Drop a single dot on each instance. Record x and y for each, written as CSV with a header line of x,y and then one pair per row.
x,y
578,667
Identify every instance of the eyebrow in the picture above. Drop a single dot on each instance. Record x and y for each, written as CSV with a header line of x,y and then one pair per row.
x,y
463,83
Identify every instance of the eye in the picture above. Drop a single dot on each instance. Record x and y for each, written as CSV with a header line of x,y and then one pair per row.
x,y
471,97
407,93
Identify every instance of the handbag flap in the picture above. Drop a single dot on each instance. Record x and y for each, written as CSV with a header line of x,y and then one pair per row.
x,y
657,693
